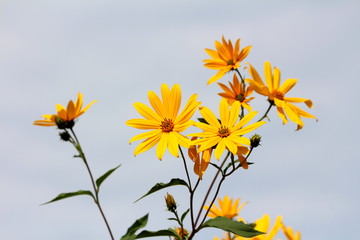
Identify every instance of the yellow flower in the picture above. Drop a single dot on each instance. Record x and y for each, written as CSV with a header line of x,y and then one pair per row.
x,y
237,93
165,121
263,225
65,117
226,208
200,163
226,58
289,233
276,94
226,133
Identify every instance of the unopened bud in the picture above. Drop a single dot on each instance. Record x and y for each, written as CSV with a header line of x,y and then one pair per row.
x,y
255,140
170,202
65,136
182,232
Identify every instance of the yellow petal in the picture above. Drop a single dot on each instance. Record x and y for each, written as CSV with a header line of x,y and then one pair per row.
x,y
141,123
287,85
173,144
147,112
224,112
247,118
268,75
147,144
217,76
161,147
220,148
149,134
157,104
210,117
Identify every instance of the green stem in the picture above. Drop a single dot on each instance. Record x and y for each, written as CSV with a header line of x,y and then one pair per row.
x,y
267,111
242,79
77,145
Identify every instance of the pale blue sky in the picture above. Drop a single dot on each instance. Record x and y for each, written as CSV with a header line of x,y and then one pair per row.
x,y
116,51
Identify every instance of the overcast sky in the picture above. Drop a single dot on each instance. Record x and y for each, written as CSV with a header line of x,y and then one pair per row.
x,y
115,52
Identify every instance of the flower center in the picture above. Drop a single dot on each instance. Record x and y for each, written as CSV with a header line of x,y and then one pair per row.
x,y
277,94
240,97
223,132
167,125
230,62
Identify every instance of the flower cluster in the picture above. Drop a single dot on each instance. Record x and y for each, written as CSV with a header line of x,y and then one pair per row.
x,y
224,137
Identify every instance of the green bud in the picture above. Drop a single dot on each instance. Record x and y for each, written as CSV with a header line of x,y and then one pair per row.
x,y
255,140
65,136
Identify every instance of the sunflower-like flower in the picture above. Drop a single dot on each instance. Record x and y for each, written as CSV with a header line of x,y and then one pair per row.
x,y
201,160
227,208
276,94
226,58
65,117
226,133
289,233
164,120
237,92
263,225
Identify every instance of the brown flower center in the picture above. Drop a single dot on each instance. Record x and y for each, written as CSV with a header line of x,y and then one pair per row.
x,y
240,97
230,62
223,132
277,94
167,125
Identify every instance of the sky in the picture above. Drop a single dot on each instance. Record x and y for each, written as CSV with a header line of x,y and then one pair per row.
x,y
117,51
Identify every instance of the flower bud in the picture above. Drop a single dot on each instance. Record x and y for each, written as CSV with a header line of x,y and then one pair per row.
x,y
182,232
65,136
255,140
170,202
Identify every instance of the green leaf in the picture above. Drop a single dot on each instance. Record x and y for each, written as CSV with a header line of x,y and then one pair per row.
x,y
159,186
166,232
103,177
139,223
228,225
184,215
71,194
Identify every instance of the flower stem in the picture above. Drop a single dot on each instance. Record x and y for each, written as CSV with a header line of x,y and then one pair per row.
x,y
77,145
267,111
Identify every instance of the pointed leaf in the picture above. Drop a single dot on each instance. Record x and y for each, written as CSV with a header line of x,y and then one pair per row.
x,y
228,225
103,177
184,215
159,186
139,223
166,232
70,194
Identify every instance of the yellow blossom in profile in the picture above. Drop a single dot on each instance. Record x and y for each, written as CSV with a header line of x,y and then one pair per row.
x,y
276,94
225,58
227,208
226,133
237,92
65,116
201,160
164,121
289,233
263,225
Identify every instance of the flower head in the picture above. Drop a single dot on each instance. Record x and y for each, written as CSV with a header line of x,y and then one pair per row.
x,y
276,94
226,58
237,92
164,121
226,133
64,118
227,208
263,225
201,160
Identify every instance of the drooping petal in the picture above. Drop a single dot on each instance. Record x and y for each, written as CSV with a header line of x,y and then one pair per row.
x,y
150,134
147,144
220,148
162,145
173,144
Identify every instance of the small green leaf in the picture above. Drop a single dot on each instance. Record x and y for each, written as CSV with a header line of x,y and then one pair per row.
x,y
184,215
166,232
139,223
159,186
228,225
71,194
103,177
